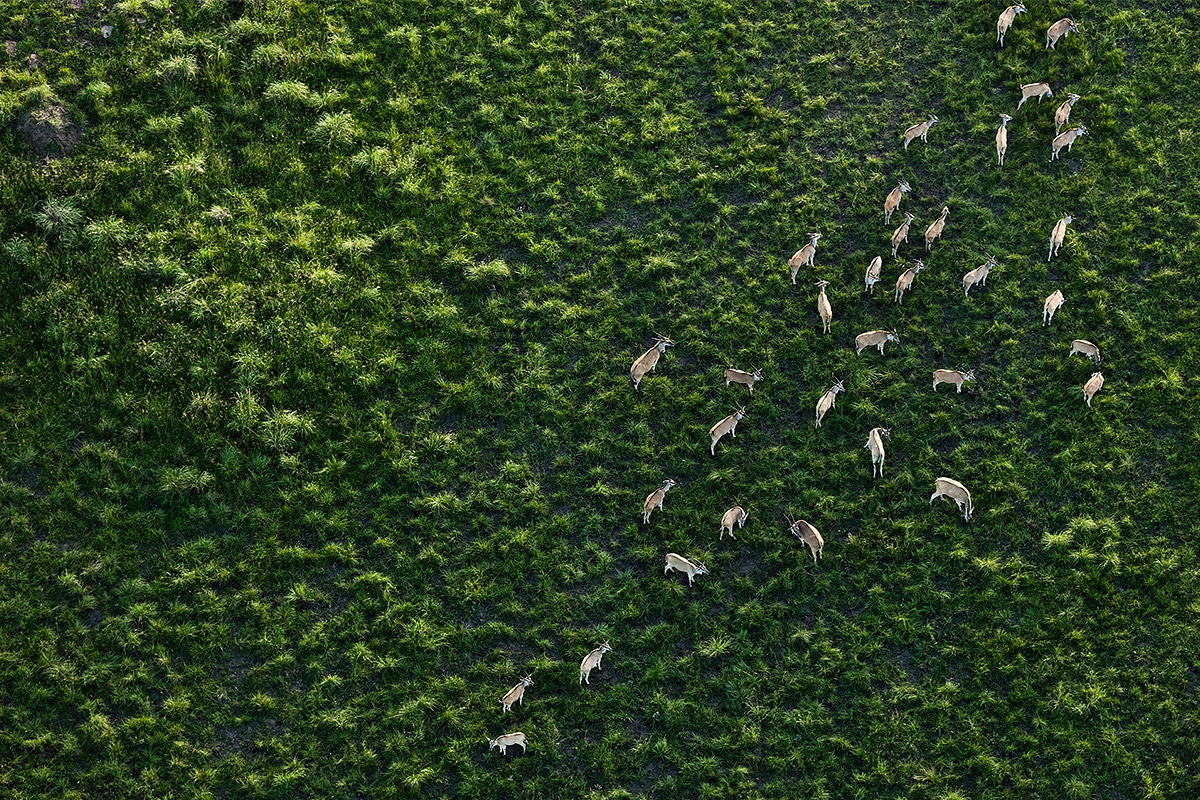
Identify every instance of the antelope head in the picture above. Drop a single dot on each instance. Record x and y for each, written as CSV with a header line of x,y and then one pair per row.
x,y
741,413
1067,219
904,187
945,211
1005,119
1072,98
969,375
1083,131
605,648
908,218
700,568
886,433
527,680
1020,9
662,342
668,484
821,285
893,337
837,386
812,238
933,119
918,266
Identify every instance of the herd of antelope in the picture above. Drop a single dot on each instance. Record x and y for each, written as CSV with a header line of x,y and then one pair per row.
x,y
805,257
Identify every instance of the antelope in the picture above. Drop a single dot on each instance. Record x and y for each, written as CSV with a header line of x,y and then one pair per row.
x,y
804,256
873,271
875,445
1002,138
727,425
977,276
948,487
506,741
904,282
874,339
1058,30
734,516
746,378
1093,385
1038,90
828,400
1085,348
892,201
935,228
1052,304
901,234
1066,139
809,535
921,129
1006,20
655,499
1058,234
1064,113
823,307
678,562
649,360
952,376
516,694
592,661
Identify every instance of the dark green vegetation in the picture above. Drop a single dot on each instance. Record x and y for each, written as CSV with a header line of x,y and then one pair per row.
x,y
316,430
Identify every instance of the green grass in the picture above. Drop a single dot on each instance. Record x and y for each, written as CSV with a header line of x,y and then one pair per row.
x,y
316,430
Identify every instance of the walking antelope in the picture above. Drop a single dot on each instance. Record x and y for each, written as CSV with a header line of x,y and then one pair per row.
x,y
921,129
1058,234
727,425
804,256
1038,90
1058,30
901,234
874,339
1066,139
873,273
935,228
649,360
1052,304
734,516
809,535
1085,348
875,445
1063,114
1006,20
904,282
1093,385
978,276
516,694
948,487
592,661
828,400
892,201
685,565
1002,138
506,741
655,499
952,376
823,307
745,378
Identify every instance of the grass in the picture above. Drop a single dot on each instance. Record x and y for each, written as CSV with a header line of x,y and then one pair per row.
x,y
316,431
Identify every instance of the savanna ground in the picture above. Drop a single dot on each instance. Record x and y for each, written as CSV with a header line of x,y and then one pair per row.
x,y
316,430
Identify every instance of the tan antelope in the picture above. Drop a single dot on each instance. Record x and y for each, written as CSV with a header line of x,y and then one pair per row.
x,y
655,499
935,228
952,376
920,130
592,661
823,307
1085,348
804,256
892,201
828,400
874,339
873,274
901,234
1053,303
745,378
1038,90
806,533
506,741
1002,138
904,282
1094,384
875,445
978,276
516,694
649,359
685,565
948,487
734,516
1063,114
1066,139
1006,20
727,425
1058,30
1058,234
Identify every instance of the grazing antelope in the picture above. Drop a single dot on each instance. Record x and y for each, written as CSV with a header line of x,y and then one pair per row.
x,y
828,400
1066,139
1058,234
935,228
745,378
806,533
1085,348
1002,138
948,487
904,282
649,360
874,339
901,234
734,516
1063,114
686,565
1058,30
892,201
875,445
952,376
655,499
516,694
921,129
1038,90
592,661
977,276
1052,304
727,425
873,273
823,307
506,741
1006,20
804,256
1093,385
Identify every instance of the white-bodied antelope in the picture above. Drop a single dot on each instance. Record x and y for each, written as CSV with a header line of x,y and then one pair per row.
x,y
935,228
655,499
948,487
1093,385
1058,30
920,130
892,201
977,276
901,234
1066,139
592,661
806,533
1038,90
875,445
1002,137
873,274
804,256
904,282
823,307
684,565
1058,234
516,694
1085,348
745,378
1006,20
727,425
506,741
1053,303
952,376
828,400
874,339
734,516
649,360
1063,114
